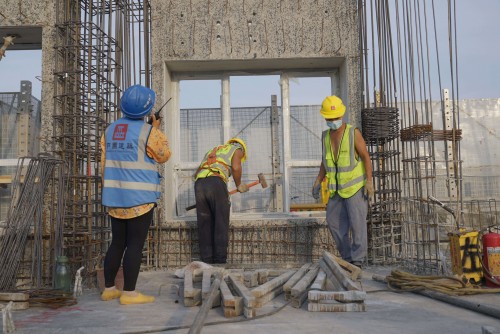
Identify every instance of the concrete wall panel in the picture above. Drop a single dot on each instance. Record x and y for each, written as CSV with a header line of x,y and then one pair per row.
x,y
250,29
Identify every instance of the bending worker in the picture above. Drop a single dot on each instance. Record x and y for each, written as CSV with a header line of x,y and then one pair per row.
x,y
212,197
346,164
131,187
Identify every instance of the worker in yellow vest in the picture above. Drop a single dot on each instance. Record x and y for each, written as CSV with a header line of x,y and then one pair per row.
x,y
347,167
212,197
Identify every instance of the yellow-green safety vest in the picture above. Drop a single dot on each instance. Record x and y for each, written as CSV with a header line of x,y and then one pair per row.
x,y
347,174
217,162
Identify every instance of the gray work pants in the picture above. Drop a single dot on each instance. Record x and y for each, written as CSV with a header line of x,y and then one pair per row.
x,y
346,218
212,212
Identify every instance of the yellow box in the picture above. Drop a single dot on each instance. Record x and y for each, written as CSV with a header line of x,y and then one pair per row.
x,y
464,252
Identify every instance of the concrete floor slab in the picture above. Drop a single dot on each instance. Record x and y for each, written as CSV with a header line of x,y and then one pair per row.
x,y
386,312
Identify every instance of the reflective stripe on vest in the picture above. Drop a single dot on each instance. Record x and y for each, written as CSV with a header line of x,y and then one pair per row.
x,y
130,176
222,165
346,175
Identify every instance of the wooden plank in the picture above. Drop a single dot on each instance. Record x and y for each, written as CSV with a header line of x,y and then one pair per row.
x,y
308,207
199,320
261,301
331,277
242,290
296,277
263,275
339,307
346,282
206,282
195,300
192,296
5,179
227,296
14,296
251,279
277,272
299,300
189,290
319,282
232,305
302,285
340,296
272,284
249,312
353,270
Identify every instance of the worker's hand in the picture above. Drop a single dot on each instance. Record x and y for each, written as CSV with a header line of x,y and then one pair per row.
x,y
369,191
242,188
316,190
156,122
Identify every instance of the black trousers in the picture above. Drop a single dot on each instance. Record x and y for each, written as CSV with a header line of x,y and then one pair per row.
x,y
128,240
212,212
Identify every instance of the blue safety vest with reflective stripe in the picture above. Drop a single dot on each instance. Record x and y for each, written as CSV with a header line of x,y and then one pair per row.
x,y
346,174
130,176
221,166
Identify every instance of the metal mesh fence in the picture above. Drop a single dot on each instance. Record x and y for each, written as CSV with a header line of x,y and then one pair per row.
x,y
201,130
306,125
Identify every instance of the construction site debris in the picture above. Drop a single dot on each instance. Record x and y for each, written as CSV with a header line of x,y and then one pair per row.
x,y
50,298
327,286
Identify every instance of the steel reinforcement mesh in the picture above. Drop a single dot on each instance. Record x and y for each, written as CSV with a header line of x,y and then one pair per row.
x,y
281,243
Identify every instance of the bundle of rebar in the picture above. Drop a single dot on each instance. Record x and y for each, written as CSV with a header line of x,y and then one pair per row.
x,y
425,131
25,216
50,298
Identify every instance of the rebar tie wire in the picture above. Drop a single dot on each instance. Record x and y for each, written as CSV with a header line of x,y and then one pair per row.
x,y
403,281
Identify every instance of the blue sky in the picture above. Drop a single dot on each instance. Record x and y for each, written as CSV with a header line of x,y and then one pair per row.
x,y
478,33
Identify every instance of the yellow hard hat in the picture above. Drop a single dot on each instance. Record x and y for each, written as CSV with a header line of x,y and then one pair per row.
x,y
332,107
243,145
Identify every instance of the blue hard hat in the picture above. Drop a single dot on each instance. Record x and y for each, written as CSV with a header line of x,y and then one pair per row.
x,y
137,101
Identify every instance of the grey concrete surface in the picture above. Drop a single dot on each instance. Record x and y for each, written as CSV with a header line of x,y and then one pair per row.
x,y
386,312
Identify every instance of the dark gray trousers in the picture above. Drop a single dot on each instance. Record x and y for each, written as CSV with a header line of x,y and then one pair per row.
x,y
212,212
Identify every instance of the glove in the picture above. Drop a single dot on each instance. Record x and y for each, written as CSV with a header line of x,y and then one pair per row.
x,y
316,190
242,188
369,191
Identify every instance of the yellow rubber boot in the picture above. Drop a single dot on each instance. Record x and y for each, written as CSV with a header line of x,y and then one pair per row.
x,y
137,299
110,294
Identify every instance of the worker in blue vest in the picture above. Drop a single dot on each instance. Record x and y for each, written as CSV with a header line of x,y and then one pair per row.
x,y
131,149
212,197
347,167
